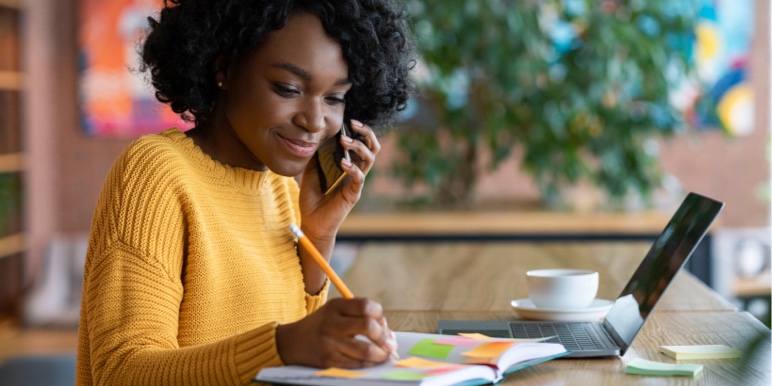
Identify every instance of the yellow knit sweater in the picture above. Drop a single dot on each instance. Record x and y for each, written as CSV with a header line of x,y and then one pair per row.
x,y
190,268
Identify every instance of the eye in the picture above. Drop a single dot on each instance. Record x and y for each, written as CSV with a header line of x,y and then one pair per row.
x,y
335,100
284,91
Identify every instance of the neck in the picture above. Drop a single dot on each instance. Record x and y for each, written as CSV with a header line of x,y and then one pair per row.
x,y
217,139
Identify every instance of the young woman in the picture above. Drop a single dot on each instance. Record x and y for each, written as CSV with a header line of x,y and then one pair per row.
x,y
193,275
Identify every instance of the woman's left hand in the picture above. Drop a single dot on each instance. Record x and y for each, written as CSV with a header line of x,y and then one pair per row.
x,y
322,214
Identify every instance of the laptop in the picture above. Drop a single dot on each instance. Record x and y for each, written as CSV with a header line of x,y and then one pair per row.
x,y
632,308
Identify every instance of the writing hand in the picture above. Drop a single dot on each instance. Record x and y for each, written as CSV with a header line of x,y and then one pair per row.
x,y
345,333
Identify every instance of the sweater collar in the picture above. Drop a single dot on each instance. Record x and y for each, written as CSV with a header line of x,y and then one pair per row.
x,y
238,176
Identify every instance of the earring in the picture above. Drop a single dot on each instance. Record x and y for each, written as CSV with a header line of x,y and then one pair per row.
x,y
219,84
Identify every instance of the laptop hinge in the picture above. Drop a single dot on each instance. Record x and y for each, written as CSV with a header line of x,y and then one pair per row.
x,y
609,329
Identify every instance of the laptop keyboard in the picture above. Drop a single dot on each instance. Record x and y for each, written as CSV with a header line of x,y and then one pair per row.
x,y
573,336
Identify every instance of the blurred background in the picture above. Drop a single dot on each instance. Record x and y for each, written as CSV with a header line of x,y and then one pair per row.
x,y
557,106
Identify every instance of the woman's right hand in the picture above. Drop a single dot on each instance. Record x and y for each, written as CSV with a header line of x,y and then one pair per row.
x,y
332,336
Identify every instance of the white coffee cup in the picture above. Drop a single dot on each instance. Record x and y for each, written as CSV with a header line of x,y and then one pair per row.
x,y
562,289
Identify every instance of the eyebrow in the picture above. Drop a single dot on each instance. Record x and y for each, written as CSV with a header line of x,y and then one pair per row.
x,y
305,74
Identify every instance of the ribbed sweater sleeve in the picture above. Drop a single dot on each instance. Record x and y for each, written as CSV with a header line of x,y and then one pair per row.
x,y
190,268
133,321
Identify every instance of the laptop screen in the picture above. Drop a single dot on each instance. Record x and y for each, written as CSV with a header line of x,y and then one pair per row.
x,y
667,255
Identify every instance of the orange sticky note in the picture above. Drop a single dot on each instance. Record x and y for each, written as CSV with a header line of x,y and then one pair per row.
x,y
488,350
339,373
416,362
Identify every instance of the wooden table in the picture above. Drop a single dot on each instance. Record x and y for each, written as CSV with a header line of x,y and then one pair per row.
x,y
461,276
420,284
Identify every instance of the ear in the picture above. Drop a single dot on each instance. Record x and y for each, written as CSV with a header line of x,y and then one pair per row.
x,y
220,69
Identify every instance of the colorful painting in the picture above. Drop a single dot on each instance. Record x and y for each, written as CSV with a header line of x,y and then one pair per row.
x,y
721,53
115,99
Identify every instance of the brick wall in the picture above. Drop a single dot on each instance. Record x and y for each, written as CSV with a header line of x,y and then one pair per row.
x,y
731,170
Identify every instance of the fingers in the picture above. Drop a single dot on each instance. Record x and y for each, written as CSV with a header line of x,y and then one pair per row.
x,y
368,136
364,150
352,353
357,307
370,330
391,339
305,343
362,158
361,351
362,322
373,345
346,333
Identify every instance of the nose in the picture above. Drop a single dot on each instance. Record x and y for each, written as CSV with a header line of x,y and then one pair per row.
x,y
311,116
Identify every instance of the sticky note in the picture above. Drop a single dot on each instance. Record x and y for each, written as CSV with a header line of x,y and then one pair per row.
x,y
404,375
427,348
713,351
458,341
478,336
414,362
643,367
473,335
443,370
546,338
488,350
339,373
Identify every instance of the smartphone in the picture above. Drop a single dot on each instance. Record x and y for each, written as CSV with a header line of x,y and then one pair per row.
x,y
329,156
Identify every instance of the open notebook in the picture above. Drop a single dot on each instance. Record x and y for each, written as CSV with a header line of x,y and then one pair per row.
x,y
429,359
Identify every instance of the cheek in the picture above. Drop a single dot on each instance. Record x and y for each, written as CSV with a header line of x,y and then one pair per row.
x,y
255,109
335,125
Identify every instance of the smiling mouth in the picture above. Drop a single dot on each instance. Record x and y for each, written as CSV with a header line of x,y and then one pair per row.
x,y
298,147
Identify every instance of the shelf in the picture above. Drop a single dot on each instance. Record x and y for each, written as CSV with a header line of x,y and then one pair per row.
x,y
11,245
10,163
10,80
454,224
761,285
13,4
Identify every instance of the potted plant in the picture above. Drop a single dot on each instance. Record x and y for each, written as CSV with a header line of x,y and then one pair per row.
x,y
581,87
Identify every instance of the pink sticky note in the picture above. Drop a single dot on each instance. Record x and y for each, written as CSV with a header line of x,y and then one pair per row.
x,y
459,341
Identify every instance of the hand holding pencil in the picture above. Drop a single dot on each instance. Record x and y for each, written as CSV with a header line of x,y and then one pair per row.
x,y
336,280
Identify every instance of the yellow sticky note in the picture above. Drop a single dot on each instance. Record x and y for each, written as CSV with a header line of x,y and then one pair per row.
x,y
488,350
474,335
416,362
478,336
339,373
711,351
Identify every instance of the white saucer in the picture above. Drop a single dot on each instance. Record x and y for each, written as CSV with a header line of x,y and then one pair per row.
x,y
596,311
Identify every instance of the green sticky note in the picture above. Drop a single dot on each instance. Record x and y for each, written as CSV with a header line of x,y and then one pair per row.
x,y
404,375
712,351
644,367
427,348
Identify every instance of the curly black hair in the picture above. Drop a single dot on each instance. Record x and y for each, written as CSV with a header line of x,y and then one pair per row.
x,y
183,44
